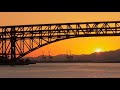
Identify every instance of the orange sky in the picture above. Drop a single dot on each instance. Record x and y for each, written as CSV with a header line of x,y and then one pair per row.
x,y
76,45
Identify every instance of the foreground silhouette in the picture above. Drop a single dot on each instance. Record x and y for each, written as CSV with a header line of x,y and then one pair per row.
x,y
6,61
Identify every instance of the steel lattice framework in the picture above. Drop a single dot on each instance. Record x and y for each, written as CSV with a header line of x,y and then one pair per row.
x,y
18,41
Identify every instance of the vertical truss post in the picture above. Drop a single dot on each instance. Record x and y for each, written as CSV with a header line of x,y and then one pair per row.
x,y
2,43
13,47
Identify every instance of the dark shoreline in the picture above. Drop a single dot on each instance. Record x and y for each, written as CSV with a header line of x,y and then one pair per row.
x,y
78,62
58,62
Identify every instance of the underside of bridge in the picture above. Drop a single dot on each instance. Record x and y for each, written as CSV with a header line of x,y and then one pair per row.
x,y
20,40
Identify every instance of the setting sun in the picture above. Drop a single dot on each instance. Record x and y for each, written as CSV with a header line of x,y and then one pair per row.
x,y
98,50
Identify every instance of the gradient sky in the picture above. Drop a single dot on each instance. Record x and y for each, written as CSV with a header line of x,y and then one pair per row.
x,y
77,45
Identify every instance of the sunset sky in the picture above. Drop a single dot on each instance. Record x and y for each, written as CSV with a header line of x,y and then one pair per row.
x,y
77,45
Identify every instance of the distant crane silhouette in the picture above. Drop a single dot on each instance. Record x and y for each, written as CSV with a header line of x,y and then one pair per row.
x,y
50,57
43,56
69,55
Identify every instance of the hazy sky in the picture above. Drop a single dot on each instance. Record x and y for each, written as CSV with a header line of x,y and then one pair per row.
x,y
76,45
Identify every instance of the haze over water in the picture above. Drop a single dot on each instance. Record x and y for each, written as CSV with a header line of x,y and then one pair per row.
x,y
62,70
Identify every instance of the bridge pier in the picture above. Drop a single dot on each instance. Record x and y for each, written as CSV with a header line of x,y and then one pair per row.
x,y
13,47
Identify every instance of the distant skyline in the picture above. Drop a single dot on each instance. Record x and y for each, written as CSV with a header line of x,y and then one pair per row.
x,y
77,45
93,57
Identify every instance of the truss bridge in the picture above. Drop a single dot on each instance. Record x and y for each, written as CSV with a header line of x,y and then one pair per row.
x,y
19,40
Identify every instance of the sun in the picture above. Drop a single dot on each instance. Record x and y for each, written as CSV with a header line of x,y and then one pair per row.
x,y
98,50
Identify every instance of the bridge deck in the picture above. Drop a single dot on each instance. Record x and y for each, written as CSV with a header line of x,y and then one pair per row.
x,y
59,24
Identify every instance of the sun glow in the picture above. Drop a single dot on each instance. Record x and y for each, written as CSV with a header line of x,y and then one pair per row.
x,y
98,50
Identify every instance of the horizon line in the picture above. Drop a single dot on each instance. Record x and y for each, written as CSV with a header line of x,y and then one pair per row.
x,y
74,54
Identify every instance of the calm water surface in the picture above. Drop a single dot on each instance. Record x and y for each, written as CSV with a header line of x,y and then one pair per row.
x,y
62,70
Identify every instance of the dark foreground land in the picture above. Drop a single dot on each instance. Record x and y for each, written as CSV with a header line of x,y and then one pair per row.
x,y
27,62
78,62
18,62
